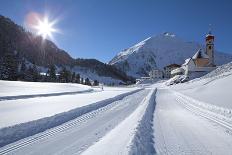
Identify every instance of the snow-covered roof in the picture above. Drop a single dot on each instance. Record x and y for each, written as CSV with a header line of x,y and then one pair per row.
x,y
200,54
209,35
177,70
171,66
186,61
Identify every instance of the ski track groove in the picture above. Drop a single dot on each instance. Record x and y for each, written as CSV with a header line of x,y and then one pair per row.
x,y
200,112
59,129
5,98
164,143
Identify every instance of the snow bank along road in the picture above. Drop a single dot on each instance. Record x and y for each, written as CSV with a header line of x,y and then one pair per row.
x,y
75,136
181,126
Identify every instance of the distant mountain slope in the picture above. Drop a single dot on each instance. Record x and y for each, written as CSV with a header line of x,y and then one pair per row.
x,y
33,48
44,53
157,52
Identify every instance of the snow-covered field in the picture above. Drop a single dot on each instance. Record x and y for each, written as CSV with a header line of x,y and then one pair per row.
x,y
214,88
190,118
14,89
181,128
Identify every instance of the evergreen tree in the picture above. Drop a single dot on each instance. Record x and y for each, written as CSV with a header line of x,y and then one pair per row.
x,y
87,82
77,78
29,74
95,83
73,78
9,66
52,73
23,69
82,81
65,75
35,73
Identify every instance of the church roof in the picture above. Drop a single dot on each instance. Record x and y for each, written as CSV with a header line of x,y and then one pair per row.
x,y
172,65
209,35
200,54
186,61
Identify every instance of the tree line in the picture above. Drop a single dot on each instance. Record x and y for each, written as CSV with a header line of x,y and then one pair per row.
x,y
13,68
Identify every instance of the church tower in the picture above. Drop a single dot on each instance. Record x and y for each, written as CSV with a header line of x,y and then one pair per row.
x,y
210,47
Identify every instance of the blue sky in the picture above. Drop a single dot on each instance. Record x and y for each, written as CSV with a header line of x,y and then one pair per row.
x,y
101,28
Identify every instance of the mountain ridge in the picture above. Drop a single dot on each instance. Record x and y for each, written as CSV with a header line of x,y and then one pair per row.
x,y
157,52
44,53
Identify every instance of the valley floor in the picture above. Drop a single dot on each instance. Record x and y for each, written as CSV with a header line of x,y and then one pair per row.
x,y
182,129
149,119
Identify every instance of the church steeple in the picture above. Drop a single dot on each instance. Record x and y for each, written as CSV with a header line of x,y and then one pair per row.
x,y
210,46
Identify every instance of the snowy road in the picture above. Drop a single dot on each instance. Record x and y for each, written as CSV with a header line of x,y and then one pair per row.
x,y
182,129
77,135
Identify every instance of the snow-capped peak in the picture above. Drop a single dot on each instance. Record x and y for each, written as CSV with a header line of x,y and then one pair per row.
x,y
168,34
157,52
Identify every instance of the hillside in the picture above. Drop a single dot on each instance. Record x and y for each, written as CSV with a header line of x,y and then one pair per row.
x,y
157,52
214,87
14,39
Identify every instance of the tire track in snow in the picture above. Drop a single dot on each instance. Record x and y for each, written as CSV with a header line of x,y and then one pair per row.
x,y
83,114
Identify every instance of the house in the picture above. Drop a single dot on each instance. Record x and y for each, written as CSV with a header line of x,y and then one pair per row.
x,y
156,74
200,63
169,68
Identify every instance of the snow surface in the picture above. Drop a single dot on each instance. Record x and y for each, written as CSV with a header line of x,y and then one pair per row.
x,y
17,111
183,129
157,52
18,88
129,132
188,118
32,127
78,134
214,88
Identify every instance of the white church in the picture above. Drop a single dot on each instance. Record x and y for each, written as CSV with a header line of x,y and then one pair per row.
x,y
200,63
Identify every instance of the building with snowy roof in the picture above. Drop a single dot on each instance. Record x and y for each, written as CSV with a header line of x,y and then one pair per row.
x,y
169,68
200,63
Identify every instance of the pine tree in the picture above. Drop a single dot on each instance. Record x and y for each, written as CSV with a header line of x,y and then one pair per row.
x,y
9,66
22,71
52,73
82,81
65,75
77,78
87,82
62,75
29,74
73,78
35,73
95,83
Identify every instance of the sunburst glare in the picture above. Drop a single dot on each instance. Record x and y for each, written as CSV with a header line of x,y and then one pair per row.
x,y
45,28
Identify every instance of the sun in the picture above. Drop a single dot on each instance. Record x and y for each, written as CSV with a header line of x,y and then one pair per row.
x,y
45,28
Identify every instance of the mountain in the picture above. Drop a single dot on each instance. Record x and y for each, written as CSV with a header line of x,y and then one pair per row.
x,y
157,52
43,53
100,71
33,48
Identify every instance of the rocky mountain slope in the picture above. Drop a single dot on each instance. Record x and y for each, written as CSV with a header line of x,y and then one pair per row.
x,y
43,53
157,52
